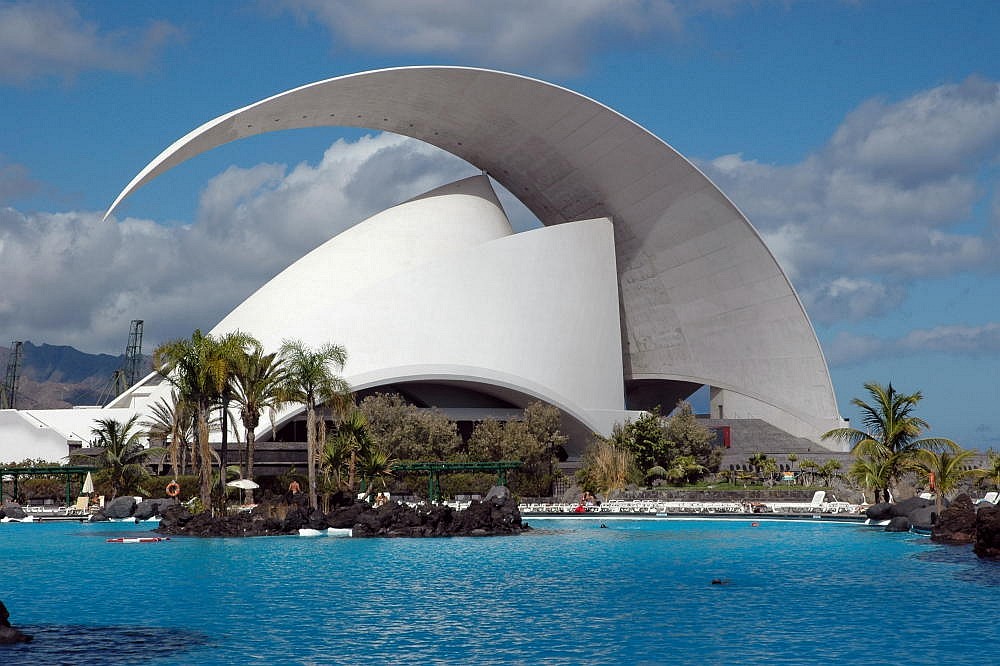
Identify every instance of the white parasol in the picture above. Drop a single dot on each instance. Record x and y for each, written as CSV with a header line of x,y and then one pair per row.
x,y
244,484
88,485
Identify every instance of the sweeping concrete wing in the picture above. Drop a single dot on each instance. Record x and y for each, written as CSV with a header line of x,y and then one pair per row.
x,y
703,300
439,292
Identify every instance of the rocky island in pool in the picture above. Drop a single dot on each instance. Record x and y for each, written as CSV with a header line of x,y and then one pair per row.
x,y
496,515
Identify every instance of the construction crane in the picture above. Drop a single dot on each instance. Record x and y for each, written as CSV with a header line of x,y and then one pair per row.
x,y
128,374
8,393
133,353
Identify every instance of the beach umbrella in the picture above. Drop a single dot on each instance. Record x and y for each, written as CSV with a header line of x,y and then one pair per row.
x,y
244,484
88,485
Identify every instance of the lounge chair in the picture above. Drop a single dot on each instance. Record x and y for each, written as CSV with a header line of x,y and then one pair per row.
x,y
992,497
81,508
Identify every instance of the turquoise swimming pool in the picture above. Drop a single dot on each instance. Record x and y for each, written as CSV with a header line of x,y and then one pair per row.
x,y
637,592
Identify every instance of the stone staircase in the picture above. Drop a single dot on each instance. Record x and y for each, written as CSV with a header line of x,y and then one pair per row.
x,y
749,436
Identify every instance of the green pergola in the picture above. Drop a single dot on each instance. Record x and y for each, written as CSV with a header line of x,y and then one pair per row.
x,y
68,471
433,471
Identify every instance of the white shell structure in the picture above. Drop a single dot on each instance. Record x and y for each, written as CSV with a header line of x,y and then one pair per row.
x,y
645,283
439,289
702,299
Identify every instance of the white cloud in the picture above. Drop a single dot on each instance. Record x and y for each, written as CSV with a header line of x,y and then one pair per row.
x,y
556,36
52,39
72,279
981,340
895,195
976,340
933,134
278,214
852,299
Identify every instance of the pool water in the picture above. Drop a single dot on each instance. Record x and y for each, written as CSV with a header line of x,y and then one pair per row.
x,y
637,592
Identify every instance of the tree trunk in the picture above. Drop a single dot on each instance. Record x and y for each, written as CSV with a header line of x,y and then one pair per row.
x,y
311,451
224,453
193,464
174,446
205,457
251,436
351,469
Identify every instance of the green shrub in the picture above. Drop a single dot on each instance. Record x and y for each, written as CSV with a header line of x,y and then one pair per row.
x,y
156,486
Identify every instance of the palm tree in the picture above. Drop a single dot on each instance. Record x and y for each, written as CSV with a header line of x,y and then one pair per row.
x,y
353,431
828,470
201,369
870,473
258,378
231,349
312,380
809,469
683,468
374,466
991,473
765,467
170,421
123,457
768,470
351,452
334,461
891,437
944,470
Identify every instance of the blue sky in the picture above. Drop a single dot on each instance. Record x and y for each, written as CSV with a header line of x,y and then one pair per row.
x,y
861,138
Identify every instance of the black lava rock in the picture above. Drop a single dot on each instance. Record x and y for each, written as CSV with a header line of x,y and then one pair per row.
x,y
13,510
957,523
898,524
909,505
497,515
881,511
146,509
120,507
8,634
987,539
923,518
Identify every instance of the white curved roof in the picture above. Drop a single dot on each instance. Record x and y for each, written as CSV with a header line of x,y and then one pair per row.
x,y
702,298
440,289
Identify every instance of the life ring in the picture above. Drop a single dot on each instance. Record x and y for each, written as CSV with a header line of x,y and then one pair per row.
x,y
173,489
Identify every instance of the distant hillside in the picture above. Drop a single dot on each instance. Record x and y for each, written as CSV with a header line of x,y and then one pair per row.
x,y
58,376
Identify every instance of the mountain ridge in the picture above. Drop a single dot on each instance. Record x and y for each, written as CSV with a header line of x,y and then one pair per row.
x,y
62,377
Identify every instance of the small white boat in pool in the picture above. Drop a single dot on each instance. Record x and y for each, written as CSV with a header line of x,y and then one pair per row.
x,y
330,531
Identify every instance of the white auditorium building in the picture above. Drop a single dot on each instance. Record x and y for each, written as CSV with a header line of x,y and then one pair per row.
x,y
644,284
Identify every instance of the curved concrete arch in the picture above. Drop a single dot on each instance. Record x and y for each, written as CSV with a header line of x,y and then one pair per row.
x,y
701,294
484,378
579,423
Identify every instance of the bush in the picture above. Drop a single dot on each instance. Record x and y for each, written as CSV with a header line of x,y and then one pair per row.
x,y
41,487
156,486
